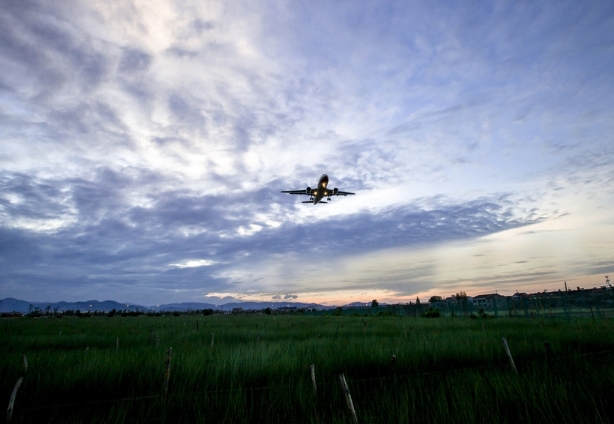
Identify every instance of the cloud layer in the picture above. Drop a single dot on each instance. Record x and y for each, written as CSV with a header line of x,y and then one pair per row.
x,y
144,145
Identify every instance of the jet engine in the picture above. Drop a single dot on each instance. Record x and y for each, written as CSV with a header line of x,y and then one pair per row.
x,y
335,191
308,191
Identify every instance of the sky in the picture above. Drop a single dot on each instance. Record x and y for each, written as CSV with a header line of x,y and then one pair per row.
x,y
144,146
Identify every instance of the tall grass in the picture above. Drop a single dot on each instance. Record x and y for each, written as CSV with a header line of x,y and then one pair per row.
x,y
446,370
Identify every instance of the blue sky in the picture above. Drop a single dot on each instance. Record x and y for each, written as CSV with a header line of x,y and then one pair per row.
x,y
144,145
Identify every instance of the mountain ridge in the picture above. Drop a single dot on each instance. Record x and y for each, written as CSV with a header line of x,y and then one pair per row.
x,y
11,304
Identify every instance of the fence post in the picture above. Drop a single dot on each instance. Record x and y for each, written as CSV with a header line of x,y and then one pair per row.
x,y
169,352
348,397
312,369
212,338
509,355
116,344
9,410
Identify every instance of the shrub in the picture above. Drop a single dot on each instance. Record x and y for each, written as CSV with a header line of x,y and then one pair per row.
x,y
431,313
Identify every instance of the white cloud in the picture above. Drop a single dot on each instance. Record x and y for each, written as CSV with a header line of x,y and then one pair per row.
x,y
193,263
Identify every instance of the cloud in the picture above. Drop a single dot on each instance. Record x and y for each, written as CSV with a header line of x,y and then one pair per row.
x,y
112,237
193,263
145,146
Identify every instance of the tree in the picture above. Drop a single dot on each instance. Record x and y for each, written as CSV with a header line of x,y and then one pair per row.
x,y
374,303
434,299
462,299
417,301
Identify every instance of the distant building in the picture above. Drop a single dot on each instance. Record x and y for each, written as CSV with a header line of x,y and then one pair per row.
x,y
490,301
11,314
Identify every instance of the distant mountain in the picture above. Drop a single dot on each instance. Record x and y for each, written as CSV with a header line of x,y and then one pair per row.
x,y
272,305
15,305
10,304
357,305
186,306
182,307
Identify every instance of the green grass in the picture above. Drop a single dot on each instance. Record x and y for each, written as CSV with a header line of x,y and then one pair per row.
x,y
447,370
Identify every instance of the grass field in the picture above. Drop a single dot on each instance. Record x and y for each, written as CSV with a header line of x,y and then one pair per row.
x,y
447,370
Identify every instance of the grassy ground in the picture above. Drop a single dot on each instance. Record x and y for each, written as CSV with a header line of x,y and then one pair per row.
x,y
446,370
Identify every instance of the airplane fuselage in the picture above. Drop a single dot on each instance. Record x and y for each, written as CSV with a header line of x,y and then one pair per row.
x,y
321,190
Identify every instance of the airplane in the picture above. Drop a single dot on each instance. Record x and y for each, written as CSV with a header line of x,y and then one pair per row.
x,y
316,194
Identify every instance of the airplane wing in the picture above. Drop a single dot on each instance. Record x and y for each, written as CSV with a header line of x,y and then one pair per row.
x,y
300,192
329,193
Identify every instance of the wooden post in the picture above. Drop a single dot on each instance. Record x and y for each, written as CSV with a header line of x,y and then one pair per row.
x,y
212,338
312,370
509,355
567,303
167,376
116,344
348,397
9,411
